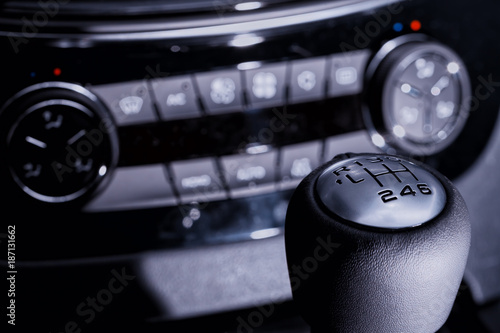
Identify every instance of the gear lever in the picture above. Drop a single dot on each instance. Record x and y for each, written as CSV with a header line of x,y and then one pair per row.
x,y
376,243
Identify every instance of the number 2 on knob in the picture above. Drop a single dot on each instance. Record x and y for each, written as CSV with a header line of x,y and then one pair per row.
x,y
388,195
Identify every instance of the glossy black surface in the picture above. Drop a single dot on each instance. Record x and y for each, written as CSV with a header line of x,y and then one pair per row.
x,y
91,59
112,62
81,8
99,64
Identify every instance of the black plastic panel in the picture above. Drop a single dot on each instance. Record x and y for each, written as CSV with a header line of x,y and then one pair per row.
x,y
49,232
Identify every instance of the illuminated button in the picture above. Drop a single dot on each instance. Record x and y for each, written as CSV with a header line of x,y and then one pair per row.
x,y
130,103
250,174
135,188
307,80
197,180
265,85
347,72
398,27
297,161
381,191
176,98
415,25
221,91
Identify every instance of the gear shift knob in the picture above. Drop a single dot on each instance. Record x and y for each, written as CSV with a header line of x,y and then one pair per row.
x,y
376,243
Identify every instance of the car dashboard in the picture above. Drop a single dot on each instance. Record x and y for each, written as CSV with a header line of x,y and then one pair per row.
x,y
148,150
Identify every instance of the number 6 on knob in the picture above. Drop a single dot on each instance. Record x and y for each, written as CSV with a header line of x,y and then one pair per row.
x,y
401,233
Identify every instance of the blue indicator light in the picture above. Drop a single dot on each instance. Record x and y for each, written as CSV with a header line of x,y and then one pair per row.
x,y
33,74
397,27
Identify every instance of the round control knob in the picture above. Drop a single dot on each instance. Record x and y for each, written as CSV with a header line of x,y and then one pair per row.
x,y
376,243
418,96
59,144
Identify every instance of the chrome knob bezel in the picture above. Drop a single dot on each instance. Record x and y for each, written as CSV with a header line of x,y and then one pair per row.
x,y
396,60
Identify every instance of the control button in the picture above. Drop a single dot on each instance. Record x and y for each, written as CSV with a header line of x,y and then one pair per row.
x,y
297,161
265,86
381,191
198,180
347,72
58,142
135,187
130,103
221,91
176,98
354,142
424,89
250,174
307,80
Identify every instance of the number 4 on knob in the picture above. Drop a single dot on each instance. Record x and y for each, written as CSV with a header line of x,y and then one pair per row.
x,y
388,195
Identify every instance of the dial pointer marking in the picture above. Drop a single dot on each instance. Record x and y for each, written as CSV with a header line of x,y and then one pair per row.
x,y
76,137
36,142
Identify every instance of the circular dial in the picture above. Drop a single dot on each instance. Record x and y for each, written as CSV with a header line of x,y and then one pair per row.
x,y
423,105
59,145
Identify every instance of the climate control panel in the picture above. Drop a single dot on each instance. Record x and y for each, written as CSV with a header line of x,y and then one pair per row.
x,y
64,139
244,87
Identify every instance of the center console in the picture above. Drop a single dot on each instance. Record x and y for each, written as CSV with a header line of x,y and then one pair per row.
x,y
163,140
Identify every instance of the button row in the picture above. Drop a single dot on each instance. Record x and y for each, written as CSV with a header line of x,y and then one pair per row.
x,y
210,179
224,91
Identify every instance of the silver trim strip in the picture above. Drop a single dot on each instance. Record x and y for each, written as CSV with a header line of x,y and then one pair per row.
x,y
219,26
51,85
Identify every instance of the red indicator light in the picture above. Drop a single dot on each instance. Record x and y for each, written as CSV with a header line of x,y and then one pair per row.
x,y
415,25
57,71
